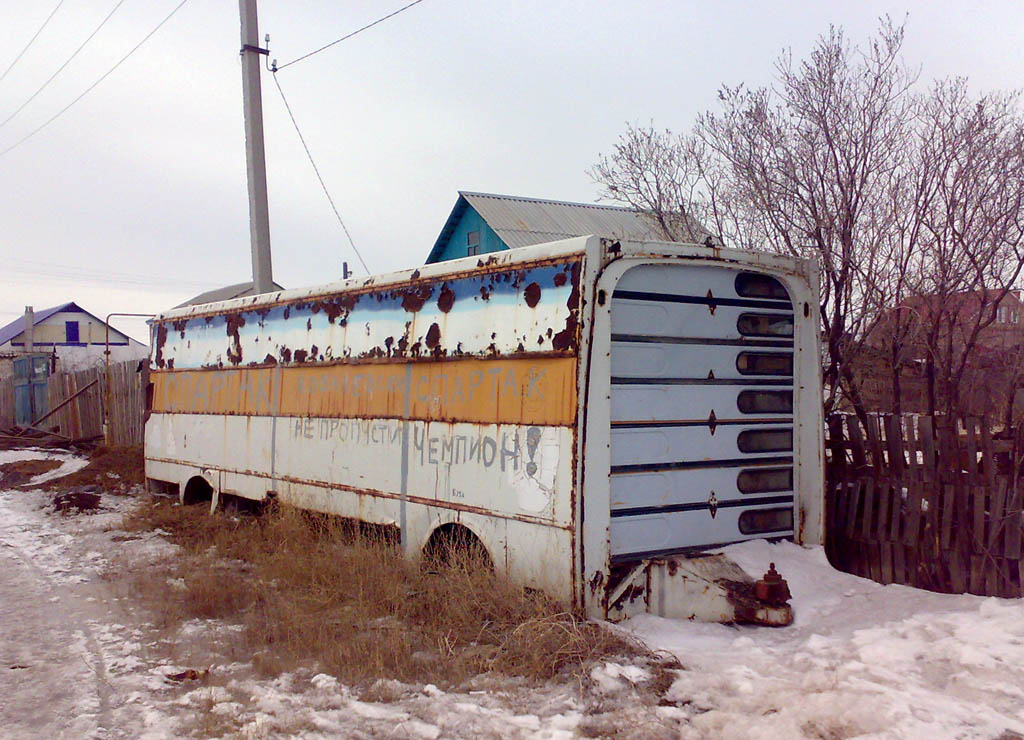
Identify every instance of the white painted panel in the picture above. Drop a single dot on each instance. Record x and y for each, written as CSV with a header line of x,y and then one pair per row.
x,y
511,470
702,362
652,402
693,321
642,446
683,530
671,487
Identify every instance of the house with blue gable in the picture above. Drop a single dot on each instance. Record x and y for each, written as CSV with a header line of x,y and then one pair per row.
x,y
481,223
75,338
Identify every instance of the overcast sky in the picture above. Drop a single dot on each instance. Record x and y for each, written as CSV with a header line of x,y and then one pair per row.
x,y
135,199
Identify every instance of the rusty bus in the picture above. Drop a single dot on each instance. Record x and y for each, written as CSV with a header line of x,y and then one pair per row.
x,y
586,410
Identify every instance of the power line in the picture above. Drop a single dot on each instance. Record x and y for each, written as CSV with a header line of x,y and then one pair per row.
x,y
66,63
318,177
51,271
89,89
350,35
31,40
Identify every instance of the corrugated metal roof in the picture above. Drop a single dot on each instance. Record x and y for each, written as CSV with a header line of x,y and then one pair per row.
x,y
17,326
238,290
522,222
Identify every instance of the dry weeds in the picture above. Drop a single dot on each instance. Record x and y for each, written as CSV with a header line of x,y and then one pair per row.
x,y
309,588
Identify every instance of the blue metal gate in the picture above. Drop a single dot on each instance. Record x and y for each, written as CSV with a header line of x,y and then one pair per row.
x,y
30,374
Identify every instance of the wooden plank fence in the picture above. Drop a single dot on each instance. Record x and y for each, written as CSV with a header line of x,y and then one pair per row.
x,y
925,502
83,416
6,402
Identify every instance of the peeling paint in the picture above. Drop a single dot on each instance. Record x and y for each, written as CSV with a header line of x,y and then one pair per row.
x,y
532,295
446,299
405,314
433,339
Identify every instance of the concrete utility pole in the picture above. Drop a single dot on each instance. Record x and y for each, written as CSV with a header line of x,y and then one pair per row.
x,y
255,158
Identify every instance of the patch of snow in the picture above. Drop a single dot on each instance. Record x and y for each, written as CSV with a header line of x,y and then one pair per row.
x,y
67,467
860,659
324,682
611,678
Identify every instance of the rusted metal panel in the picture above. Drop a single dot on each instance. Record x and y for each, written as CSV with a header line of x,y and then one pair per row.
x,y
527,390
476,392
489,313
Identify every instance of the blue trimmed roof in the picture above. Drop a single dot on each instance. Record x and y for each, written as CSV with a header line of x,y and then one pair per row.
x,y
17,326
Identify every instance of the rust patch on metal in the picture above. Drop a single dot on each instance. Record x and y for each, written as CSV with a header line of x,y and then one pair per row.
x,y
485,293
286,354
567,339
179,326
161,339
234,322
414,298
560,279
532,295
269,360
446,299
433,338
772,588
337,308
300,355
631,594
597,581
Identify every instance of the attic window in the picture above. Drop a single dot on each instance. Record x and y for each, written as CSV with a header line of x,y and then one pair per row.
x,y
71,331
472,243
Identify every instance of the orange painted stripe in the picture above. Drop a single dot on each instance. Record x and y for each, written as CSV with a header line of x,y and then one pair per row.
x,y
500,391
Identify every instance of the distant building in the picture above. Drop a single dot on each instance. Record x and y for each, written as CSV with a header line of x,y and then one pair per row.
x,y
993,374
238,290
957,315
481,223
75,338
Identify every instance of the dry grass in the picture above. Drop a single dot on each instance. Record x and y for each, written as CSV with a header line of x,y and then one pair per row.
x,y
311,588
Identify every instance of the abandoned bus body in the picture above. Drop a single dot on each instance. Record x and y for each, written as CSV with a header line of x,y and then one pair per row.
x,y
586,409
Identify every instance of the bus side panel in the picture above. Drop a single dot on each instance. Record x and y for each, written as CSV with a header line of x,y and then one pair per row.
x,y
508,483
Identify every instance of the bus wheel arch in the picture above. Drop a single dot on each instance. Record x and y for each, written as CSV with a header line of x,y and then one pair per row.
x,y
454,542
197,490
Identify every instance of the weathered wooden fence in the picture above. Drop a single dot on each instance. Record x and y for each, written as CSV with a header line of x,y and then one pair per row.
x,y
926,502
6,402
82,417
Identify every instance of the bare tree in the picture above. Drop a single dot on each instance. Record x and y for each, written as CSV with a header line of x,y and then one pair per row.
x,y
895,194
973,249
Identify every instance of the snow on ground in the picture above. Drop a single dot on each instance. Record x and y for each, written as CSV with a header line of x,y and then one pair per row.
x,y
861,660
79,659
